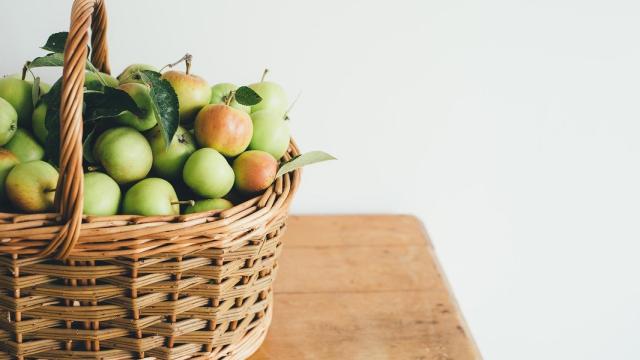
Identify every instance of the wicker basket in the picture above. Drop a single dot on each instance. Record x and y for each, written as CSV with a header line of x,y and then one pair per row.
x,y
194,286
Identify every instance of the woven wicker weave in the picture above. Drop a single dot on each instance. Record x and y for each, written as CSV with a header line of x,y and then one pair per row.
x,y
195,286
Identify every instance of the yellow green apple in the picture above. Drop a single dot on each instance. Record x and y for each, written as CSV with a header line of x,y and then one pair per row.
x,y
8,121
128,74
18,93
7,161
193,93
220,93
140,94
25,146
101,195
207,205
208,174
274,98
169,161
270,133
124,153
151,196
31,186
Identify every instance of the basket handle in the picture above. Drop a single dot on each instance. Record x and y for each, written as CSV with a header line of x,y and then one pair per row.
x,y
69,193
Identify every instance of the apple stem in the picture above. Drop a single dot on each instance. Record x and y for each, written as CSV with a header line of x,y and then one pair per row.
x,y
24,70
185,202
93,168
264,74
229,98
295,101
187,58
50,190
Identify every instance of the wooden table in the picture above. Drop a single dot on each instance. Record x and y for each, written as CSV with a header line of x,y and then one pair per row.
x,y
363,287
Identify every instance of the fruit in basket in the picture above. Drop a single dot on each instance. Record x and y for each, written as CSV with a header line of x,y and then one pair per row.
x,y
8,121
101,195
223,128
7,162
128,74
169,161
151,196
254,170
92,81
193,93
25,146
18,93
124,153
140,94
38,122
270,133
31,186
208,174
207,205
220,93
273,96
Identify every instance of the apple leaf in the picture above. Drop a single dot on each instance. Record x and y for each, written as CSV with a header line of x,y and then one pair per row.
x,y
110,103
299,161
56,42
164,102
35,91
246,96
53,59
52,122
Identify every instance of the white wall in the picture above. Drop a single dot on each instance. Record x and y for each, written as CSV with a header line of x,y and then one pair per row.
x,y
510,127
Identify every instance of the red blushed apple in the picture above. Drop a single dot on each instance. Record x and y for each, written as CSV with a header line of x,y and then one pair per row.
x,y
223,128
255,171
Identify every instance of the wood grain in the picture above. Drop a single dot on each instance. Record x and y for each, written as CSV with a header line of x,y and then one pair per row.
x,y
363,287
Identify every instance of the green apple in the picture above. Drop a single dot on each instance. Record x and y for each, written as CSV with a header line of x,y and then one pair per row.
x,y
273,97
25,146
169,161
18,93
193,93
270,133
38,122
124,154
208,173
92,81
140,94
7,162
8,121
101,195
207,205
31,186
255,171
44,87
151,196
220,92
128,75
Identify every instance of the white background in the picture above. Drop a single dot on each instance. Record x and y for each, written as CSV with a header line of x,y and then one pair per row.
x,y
511,128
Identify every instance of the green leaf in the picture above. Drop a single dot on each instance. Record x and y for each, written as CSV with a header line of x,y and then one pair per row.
x,y
87,146
35,91
246,96
52,122
165,103
108,104
56,42
51,60
299,161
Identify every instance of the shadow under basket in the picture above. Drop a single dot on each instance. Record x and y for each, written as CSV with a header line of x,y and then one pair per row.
x,y
195,286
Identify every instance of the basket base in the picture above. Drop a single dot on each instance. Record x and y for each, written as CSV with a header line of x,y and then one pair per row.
x,y
250,343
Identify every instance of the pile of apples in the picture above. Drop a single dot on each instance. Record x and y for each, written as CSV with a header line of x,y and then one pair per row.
x,y
222,152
